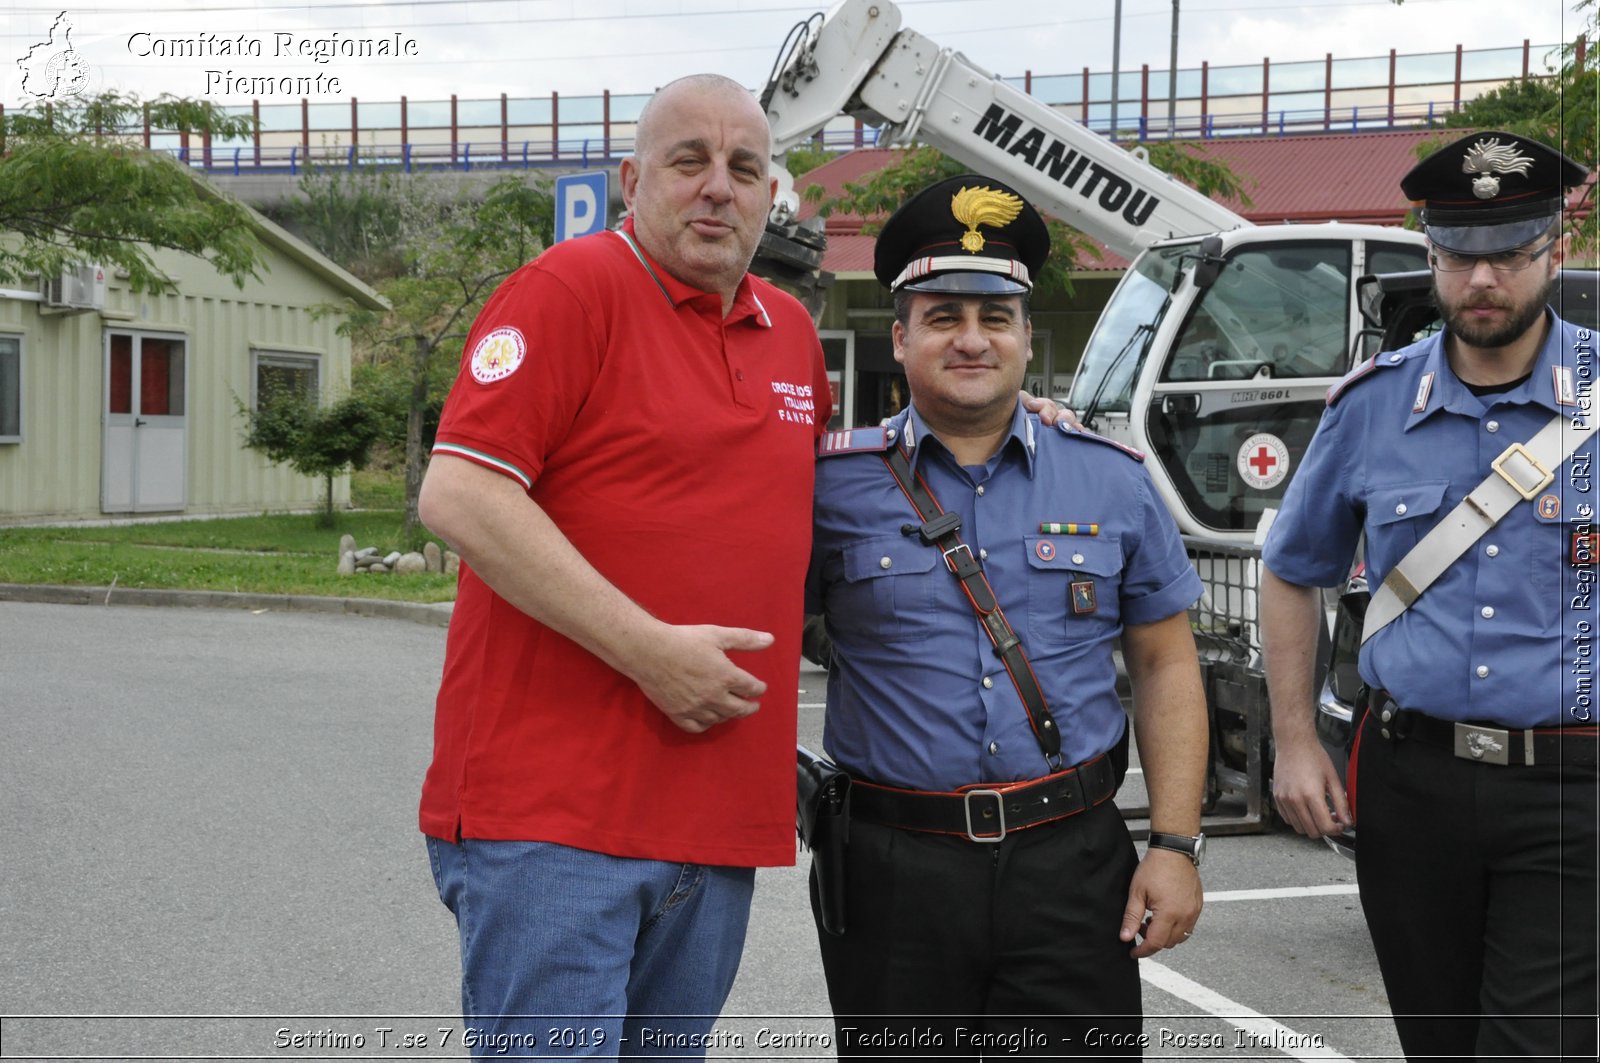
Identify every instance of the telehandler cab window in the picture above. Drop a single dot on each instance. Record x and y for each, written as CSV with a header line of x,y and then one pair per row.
x,y
1112,362
1276,311
1243,387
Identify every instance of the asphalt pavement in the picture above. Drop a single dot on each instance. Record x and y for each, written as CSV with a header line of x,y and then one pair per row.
x,y
210,849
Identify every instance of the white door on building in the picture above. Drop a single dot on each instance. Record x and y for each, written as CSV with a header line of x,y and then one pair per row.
x,y
145,461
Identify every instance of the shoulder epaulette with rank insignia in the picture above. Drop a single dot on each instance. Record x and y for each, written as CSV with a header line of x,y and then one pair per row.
x,y
853,441
1383,360
1084,433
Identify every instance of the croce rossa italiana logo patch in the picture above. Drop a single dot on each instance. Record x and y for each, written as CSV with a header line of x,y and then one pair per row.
x,y
498,354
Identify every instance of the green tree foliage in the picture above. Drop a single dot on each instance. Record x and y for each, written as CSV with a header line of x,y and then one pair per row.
x,y
1188,163
917,168
361,219
364,219
803,158
1516,103
77,186
453,254
313,440
1563,111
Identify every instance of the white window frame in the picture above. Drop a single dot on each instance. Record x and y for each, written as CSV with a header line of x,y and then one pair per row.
x,y
1040,378
288,359
19,339
847,380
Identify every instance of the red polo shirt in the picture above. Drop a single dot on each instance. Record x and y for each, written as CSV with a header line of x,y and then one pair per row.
x,y
674,448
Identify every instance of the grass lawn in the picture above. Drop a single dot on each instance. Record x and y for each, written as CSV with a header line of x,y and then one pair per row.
x,y
378,488
270,554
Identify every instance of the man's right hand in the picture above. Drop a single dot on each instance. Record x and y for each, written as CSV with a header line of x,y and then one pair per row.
x,y
1305,785
685,671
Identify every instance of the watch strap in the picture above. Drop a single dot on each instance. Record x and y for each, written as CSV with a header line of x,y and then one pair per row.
x,y
1179,843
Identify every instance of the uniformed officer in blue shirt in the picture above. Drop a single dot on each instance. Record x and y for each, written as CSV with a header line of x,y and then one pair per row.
x,y
1473,772
991,887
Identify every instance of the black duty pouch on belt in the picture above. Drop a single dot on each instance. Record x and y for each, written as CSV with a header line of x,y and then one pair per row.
x,y
822,819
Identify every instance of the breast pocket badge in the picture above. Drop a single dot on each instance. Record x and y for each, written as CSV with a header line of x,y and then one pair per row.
x,y
1083,599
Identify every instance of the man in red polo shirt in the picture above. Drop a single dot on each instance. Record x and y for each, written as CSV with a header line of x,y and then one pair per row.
x,y
625,466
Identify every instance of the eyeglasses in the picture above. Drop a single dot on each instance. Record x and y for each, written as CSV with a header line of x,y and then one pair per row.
x,y
1501,261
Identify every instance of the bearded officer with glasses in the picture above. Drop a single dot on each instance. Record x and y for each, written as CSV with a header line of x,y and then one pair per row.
x,y
1466,460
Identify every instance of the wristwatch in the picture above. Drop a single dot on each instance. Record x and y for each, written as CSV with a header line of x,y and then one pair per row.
x,y
1194,848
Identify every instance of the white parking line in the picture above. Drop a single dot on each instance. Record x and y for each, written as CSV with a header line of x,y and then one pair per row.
x,y
813,705
1339,890
1259,1031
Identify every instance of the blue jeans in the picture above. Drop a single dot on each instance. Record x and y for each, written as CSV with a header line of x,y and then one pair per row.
x,y
570,954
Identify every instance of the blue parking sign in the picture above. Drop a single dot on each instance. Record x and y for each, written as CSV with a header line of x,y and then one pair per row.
x,y
580,204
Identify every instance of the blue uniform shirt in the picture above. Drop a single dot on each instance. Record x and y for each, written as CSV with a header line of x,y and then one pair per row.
x,y
1505,635
917,697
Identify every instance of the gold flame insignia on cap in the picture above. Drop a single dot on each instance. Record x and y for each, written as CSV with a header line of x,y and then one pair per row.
x,y
973,207
1487,158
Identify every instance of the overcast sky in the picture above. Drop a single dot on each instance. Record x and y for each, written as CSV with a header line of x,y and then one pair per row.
x,y
481,48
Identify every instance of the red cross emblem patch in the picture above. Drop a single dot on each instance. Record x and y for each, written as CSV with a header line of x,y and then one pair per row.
x,y
1263,461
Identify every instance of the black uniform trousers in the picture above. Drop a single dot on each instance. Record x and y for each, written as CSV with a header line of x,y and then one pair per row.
x,y
963,950
1478,882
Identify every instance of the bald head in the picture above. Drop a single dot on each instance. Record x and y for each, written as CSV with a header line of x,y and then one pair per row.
x,y
723,90
698,184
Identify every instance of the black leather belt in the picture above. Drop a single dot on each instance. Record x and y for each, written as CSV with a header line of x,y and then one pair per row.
x,y
1488,744
988,813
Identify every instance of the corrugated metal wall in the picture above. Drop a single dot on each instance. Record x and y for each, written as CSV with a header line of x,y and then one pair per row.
x,y
55,471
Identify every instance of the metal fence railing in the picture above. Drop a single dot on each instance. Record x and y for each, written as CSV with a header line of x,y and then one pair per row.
x,y
1227,632
488,154
1226,620
1363,94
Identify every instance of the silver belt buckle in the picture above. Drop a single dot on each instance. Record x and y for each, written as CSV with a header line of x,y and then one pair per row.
x,y
1000,806
1490,745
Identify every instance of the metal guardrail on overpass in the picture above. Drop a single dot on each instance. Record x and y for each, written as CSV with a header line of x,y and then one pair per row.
x,y
240,159
408,158
1269,98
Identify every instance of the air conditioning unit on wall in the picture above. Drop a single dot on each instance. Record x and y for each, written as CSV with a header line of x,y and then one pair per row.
x,y
78,288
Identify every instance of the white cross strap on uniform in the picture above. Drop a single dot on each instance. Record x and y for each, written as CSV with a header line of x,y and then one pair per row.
x,y
1520,472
